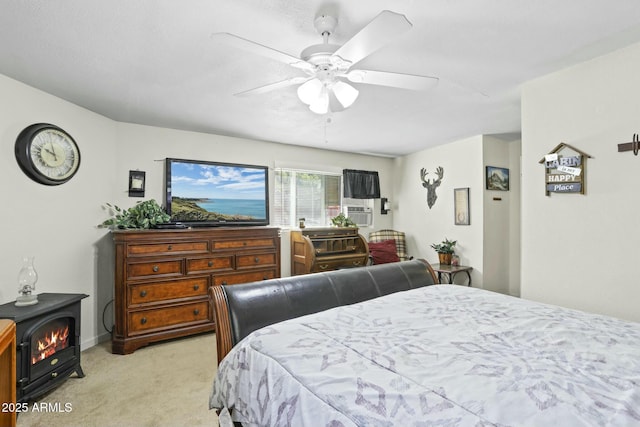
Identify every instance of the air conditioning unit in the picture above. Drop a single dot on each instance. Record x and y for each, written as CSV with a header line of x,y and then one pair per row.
x,y
363,217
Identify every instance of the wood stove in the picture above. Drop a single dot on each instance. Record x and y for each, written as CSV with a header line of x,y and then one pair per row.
x,y
47,342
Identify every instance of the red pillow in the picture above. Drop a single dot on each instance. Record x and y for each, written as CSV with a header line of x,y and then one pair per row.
x,y
383,252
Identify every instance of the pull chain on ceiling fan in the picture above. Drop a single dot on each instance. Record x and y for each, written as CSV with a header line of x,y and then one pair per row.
x,y
327,66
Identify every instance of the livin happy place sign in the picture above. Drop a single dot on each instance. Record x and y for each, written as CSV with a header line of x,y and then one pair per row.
x,y
565,171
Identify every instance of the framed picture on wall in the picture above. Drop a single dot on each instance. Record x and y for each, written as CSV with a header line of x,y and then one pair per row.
x,y
497,178
461,206
136,183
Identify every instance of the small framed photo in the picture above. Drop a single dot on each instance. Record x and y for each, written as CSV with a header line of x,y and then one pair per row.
x,y
136,183
497,178
461,206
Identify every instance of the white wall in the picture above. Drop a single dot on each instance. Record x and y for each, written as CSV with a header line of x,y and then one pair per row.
x,y
57,225
501,233
580,250
463,167
515,225
491,243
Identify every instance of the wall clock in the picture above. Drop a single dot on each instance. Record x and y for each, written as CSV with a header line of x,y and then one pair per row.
x,y
47,154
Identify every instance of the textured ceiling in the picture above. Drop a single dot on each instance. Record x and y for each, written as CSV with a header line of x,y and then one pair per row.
x,y
154,62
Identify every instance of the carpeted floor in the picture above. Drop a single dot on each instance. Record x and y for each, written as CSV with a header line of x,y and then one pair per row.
x,y
164,384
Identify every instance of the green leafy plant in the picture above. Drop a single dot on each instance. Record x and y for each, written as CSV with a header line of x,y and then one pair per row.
x,y
341,220
446,247
143,214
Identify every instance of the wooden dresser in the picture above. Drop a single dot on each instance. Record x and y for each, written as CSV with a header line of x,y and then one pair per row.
x,y
327,248
8,376
162,278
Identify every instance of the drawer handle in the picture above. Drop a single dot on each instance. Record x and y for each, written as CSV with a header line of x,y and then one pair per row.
x,y
143,293
196,287
196,312
324,267
224,283
155,268
170,247
265,277
356,262
244,243
210,263
143,320
256,260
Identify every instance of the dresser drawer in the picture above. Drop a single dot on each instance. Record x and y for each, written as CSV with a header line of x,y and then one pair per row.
x,y
252,276
168,317
155,268
199,265
149,249
266,242
161,291
334,264
254,260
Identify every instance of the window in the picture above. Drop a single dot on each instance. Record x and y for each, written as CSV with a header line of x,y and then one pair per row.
x,y
314,196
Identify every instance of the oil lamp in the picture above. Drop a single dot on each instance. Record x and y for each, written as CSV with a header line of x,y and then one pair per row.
x,y
27,278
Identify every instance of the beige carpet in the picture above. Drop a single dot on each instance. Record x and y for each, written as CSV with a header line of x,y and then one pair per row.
x,y
164,384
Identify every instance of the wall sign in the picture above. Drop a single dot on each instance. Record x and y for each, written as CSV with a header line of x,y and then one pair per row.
x,y
565,170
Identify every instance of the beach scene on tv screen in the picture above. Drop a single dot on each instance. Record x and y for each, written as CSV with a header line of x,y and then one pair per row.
x,y
204,192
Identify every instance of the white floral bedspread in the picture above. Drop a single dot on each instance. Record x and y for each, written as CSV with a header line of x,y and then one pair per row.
x,y
442,355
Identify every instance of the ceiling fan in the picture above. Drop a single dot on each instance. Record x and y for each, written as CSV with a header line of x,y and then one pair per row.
x,y
328,67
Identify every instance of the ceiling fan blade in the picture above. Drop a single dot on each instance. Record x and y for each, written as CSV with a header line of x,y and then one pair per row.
x,y
262,50
273,86
399,80
375,35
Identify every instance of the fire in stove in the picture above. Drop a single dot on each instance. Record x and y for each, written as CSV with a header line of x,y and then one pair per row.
x,y
55,340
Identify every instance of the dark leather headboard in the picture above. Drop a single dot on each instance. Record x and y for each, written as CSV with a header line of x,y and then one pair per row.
x,y
242,309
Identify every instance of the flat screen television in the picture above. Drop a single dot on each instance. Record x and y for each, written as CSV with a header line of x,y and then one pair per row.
x,y
202,193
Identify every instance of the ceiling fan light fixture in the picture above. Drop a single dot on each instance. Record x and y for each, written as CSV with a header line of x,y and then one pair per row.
x,y
310,91
328,67
345,93
321,104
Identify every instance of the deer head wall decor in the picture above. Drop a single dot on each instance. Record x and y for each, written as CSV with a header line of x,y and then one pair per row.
x,y
431,185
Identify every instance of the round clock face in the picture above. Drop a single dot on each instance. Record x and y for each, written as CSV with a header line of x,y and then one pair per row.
x,y
47,154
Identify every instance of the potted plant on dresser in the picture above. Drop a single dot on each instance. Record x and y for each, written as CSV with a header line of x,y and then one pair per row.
x,y
445,250
144,214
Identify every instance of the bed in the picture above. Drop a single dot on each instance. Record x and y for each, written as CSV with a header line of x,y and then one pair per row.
x,y
435,355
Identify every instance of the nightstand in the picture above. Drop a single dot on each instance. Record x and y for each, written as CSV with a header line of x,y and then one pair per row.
x,y
451,270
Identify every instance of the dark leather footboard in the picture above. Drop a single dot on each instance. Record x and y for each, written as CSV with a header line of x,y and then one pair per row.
x,y
241,309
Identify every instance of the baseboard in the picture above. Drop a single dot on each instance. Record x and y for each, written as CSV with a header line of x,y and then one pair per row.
x,y
93,341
